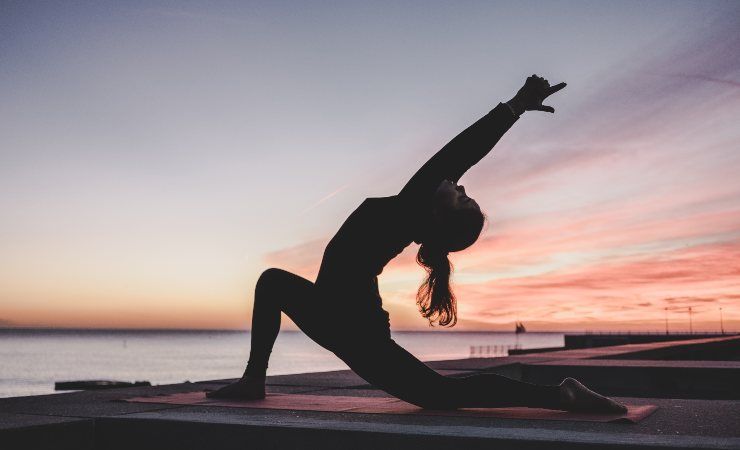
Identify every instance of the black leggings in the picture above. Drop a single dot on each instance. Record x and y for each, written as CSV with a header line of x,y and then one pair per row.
x,y
381,362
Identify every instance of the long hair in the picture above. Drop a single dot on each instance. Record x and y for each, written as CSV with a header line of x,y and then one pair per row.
x,y
455,231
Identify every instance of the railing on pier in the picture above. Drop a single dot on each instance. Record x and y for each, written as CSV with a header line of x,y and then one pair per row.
x,y
492,351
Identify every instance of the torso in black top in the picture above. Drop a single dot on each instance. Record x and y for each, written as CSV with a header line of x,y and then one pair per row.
x,y
375,233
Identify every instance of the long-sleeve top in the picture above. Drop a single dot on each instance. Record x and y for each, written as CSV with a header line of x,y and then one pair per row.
x,y
382,227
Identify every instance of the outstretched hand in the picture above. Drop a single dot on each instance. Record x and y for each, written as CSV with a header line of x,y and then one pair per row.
x,y
530,97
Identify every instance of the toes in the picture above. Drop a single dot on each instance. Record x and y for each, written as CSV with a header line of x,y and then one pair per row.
x,y
218,392
613,405
213,394
620,407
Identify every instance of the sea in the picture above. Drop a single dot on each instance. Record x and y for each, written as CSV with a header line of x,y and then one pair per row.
x,y
32,360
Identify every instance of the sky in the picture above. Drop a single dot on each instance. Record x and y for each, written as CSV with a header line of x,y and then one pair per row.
x,y
156,157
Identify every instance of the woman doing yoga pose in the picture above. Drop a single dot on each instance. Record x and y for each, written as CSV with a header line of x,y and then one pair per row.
x,y
342,310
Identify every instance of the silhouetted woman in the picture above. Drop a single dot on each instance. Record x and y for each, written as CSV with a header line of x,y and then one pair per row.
x,y
342,311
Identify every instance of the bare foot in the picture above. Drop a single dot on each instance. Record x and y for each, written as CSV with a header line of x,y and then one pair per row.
x,y
244,389
574,396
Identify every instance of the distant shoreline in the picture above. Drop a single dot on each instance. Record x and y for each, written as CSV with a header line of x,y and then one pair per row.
x,y
6,329
200,330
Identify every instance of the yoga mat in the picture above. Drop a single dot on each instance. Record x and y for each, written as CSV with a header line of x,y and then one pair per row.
x,y
389,405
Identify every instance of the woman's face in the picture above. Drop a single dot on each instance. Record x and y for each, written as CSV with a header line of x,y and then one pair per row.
x,y
450,196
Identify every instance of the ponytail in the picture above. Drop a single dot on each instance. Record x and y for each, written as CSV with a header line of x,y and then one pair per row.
x,y
434,297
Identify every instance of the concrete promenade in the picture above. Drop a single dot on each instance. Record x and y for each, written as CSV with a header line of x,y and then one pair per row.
x,y
697,397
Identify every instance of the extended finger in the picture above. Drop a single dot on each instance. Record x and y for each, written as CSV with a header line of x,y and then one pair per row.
x,y
545,108
556,88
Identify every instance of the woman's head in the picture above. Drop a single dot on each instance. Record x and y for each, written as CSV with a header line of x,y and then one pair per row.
x,y
457,223
457,219
450,195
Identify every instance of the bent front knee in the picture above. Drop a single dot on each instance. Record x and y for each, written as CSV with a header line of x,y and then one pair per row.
x,y
269,277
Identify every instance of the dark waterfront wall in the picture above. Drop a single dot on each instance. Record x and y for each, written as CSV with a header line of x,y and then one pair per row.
x,y
573,341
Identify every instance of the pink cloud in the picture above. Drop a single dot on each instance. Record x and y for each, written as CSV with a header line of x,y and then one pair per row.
x,y
626,204
303,259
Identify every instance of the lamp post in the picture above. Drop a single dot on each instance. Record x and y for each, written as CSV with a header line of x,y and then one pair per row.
x,y
691,325
721,322
666,320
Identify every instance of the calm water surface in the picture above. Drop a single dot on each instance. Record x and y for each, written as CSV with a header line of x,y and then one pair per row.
x,y
32,360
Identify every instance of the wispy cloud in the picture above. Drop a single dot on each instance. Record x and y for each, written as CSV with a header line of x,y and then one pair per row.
x,y
323,199
302,259
700,77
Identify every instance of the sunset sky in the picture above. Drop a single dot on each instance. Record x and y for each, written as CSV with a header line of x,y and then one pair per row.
x,y
156,157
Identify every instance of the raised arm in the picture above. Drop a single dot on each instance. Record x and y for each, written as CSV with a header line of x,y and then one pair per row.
x,y
476,141
461,153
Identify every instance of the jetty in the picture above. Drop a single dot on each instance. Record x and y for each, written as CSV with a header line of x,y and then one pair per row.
x,y
685,394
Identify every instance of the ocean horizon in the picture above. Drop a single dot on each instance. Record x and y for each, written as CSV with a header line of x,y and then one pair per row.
x,y
33,359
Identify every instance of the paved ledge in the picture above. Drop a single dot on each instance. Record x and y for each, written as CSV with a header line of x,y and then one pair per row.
x,y
224,430
40,431
101,420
